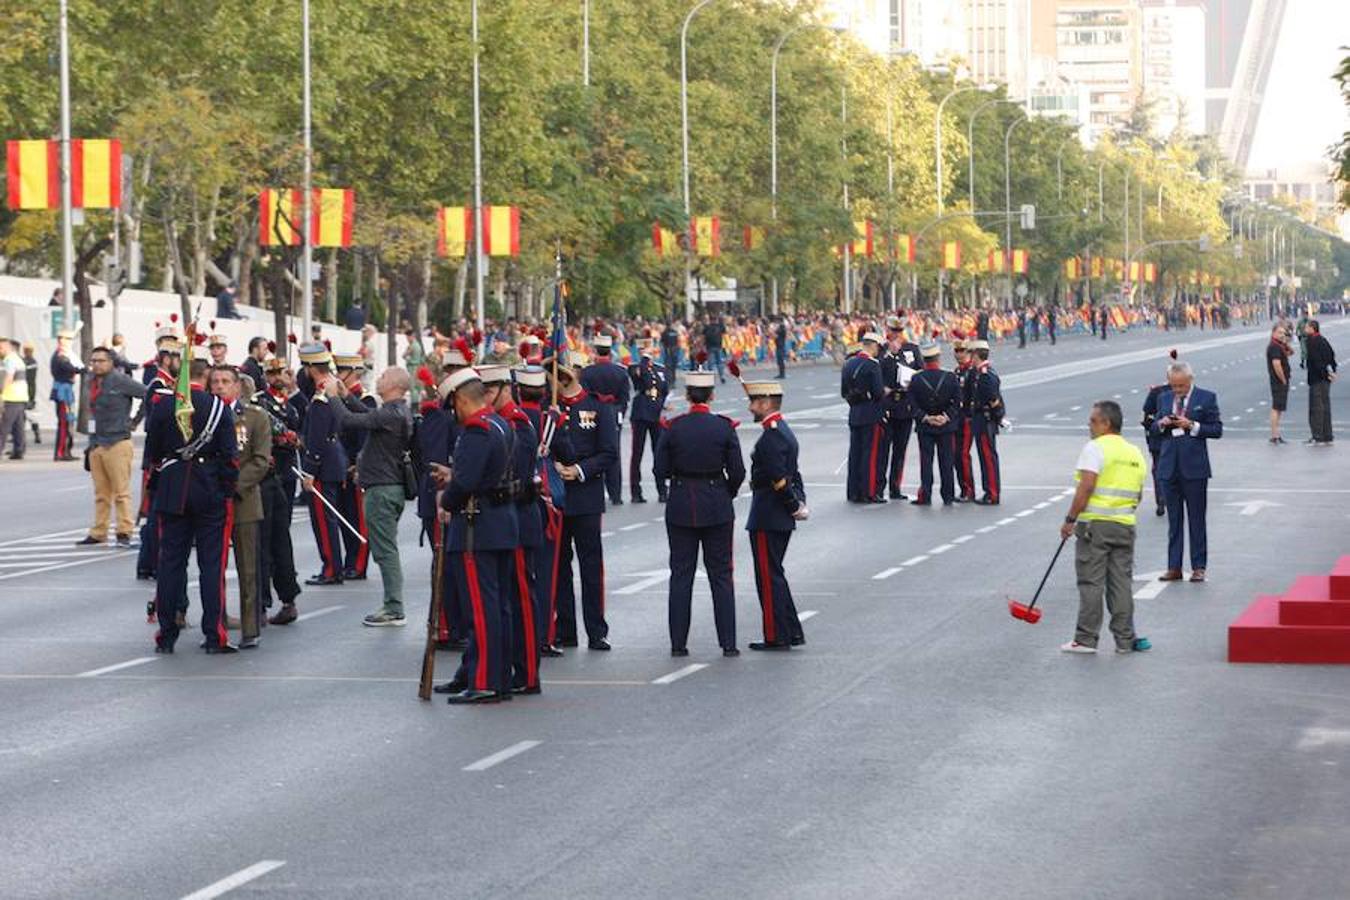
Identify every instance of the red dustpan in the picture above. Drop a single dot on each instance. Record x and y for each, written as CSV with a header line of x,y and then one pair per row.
x,y
1028,612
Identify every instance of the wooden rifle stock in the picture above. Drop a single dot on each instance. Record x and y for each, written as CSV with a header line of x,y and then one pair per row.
x,y
433,617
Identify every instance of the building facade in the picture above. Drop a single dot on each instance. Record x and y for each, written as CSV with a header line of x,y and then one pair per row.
x,y
1098,46
1173,64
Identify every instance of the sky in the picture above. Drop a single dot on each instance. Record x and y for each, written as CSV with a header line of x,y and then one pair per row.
x,y
1302,112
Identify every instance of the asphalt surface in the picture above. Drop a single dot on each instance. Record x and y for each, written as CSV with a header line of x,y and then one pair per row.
x,y
922,744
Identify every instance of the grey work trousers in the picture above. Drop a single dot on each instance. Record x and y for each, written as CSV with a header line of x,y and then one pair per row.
x,y
1104,561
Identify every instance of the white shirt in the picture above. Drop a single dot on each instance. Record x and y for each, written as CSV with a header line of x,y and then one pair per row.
x,y
1090,458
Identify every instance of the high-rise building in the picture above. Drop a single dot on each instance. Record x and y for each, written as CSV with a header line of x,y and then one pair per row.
x,y
1174,63
1098,45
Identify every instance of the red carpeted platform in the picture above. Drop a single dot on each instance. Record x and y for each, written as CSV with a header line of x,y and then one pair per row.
x,y
1309,624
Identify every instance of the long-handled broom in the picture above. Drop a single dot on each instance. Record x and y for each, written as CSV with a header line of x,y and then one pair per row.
x,y
1028,612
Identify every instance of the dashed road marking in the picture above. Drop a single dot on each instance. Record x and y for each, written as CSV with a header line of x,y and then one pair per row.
x,y
117,667
607,534
1007,521
230,882
634,527
322,611
915,560
1024,513
963,538
680,673
887,573
501,756
986,529
645,580
941,548
807,614
1074,408
1236,419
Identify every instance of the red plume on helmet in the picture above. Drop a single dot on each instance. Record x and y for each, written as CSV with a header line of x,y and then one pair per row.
x,y
198,339
271,346
465,350
424,376
1172,353
937,333
734,368
477,337
328,345
701,357
292,339
173,317
900,313
524,350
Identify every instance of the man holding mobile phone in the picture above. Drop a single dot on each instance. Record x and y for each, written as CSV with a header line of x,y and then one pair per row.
x,y
1188,418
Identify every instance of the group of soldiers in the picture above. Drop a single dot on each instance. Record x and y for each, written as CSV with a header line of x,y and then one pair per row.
x,y
511,469
895,387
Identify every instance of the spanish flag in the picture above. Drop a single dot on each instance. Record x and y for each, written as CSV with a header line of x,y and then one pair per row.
x,y
994,262
862,239
752,237
333,210
501,231
1150,272
902,248
664,240
705,235
280,212
1135,270
951,254
454,225
1071,269
33,169
1020,259
1097,267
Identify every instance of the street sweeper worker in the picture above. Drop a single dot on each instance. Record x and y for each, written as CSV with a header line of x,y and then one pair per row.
x,y
1110,475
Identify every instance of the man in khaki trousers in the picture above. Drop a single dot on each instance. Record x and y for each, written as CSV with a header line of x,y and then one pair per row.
x,y
110,450
253,432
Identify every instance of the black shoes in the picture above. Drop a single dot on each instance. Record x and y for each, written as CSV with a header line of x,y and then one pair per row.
x,y
87,541
730,651
322,580
550,651
877,499
455,686
526,690
566,642
227,647
661,496
249,643
164,643
598,644
124,541
353,575
921,503
986,501
896,495
965,498
454,644
617,501
769,646
145,576
799,640
476,697
679,651
638,498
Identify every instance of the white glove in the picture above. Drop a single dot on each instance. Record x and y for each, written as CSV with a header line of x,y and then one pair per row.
x,y
802,513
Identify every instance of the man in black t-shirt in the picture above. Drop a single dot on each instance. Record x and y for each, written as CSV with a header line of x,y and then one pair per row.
x,y
1277,368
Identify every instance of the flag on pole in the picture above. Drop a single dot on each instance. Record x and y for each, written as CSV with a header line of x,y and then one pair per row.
x,y
331,214
1020,259
995,261
1071,269
951,254
1135,270
705,235
453,227
501,231
1097,267
279,214
664,240
332,211
1150,272
182,390
902,248
862,239
752,237
34,174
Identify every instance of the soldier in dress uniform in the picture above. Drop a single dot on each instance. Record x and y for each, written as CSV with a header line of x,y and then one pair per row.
x,y
701,458
356,553
593,432
649,401
899,361
965,434
65,366
936,395
608,382
776,506
861,386
284,409
324,464
986,416
160,378
481,537
219,347
194,489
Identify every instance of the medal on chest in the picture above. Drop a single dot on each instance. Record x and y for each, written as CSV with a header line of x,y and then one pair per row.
x,y
585,420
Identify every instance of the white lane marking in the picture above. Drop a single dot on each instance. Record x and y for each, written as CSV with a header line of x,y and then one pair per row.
x,y
78,562
1251,409
807,614
1042,505
915,560
1053,498
828,396
1134,390
1007,521
1152,586
73,487
1315,737
1115,396
986,529
605,534
940,549
322,611
1261,403
139,661
963,538
680,673
501,756
634,527
660,519
1074,408
839,468
645,580
1025,512
887,573
49,536
1051,415
1236,419
242,877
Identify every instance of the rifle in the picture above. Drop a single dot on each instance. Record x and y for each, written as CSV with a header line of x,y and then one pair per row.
x,y
433,617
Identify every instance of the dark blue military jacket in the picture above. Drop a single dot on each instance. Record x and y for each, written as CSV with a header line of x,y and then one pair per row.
x,y
525,458
593,432
860,385
933,392
324,457
986,394
701,456
607,380
203,480
436,434
896,403
774,478
478,496
649,391
287,416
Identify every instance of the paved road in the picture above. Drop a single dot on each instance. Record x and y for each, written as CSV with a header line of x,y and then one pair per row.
x,y
923,744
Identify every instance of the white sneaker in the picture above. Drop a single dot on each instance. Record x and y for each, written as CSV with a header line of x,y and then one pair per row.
x,y
1075,647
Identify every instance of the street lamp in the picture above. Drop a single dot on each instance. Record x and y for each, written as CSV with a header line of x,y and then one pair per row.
x,y
479,306
970,139
1007,200
684,142
67,225
937,132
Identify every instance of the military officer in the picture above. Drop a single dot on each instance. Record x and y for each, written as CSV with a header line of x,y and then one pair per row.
x,y
965,435
194,507
65,366
986,416
936,395
649,401
324,463
481,537
861,386
608,382
356,552
777,504
593,432
253,436
160,379
285,412
701,457
899,362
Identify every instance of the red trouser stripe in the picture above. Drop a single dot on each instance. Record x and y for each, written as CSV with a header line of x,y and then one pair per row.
x,y
872,461
325,540
479,625
967,471
222,635
527,620
990,470
62,447
761,546
363,550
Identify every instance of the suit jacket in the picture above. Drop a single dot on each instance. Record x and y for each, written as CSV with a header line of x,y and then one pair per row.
x,y
1187,456
253,434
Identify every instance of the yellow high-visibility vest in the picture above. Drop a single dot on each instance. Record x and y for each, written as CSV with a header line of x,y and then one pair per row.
x,y
1120,483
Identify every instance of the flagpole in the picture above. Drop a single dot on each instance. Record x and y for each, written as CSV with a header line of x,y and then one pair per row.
x,y
67,226
306,276
477,186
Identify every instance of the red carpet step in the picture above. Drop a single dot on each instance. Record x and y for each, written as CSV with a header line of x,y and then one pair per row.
x,y
1309,624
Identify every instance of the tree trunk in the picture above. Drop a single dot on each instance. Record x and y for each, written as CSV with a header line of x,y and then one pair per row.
x,y
196,231
358,286
175,258
424,298
86,308
247,253
461,286
330,285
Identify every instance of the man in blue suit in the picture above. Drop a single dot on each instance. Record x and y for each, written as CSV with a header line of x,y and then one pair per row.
x,y
1187,419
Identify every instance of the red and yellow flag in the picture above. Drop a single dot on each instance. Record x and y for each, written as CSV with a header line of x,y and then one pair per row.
x,y
454,225
752,237
1072,269
1097,269
501,230
333,211
951,254
1020,260
33,169
664,240
705,235
902,248
862,239
995,261
1136,270
1150,272
280,212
